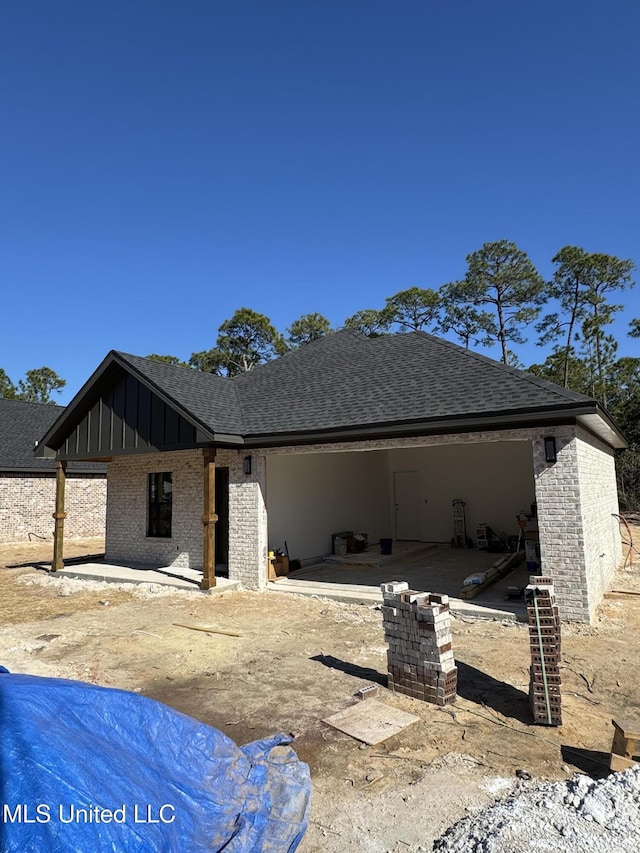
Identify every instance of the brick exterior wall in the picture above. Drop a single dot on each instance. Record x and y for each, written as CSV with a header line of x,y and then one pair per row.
x,y
560,522
127,513
579,539
599,501
127,540
247,518
416,441
27,503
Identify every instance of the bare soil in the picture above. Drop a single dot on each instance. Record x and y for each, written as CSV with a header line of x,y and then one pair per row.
x,y
299,660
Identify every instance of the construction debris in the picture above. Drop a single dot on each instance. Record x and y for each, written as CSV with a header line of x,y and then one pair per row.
x,y
206,630
577,816
417,627
626,735
371,721
371,691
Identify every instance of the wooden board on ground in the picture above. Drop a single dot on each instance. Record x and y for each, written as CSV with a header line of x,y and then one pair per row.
x,y
371,721
495,573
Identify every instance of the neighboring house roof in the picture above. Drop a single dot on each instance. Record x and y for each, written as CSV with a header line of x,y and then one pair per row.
x,y
21,425
350,386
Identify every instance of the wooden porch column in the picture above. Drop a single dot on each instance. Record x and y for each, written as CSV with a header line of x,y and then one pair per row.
x,y
59,516
209,519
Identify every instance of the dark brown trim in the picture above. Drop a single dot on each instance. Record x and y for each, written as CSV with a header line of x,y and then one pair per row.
x,y
51,472
134,451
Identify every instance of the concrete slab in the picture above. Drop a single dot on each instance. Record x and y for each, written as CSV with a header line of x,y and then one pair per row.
x,y
438,568
164,575
373,557
371,596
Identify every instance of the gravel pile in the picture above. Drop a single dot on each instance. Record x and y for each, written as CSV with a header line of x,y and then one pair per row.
x,y
577,816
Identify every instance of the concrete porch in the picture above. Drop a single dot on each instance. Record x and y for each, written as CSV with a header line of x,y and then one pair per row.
x,y
186,579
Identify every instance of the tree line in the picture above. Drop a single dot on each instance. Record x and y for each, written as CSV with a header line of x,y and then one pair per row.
x,y
36,387
500,301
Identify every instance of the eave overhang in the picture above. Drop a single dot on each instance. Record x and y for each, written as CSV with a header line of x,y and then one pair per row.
x,y
98,472
590,415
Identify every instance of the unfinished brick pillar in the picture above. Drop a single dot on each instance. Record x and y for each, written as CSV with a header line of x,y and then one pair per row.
x,y
544,637
417,627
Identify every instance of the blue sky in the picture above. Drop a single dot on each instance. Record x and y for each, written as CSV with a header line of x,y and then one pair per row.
x,y
164,163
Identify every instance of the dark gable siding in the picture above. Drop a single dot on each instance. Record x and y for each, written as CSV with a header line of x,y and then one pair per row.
x,y
127,416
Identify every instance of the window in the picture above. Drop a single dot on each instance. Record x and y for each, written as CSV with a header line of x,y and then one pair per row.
x,y
159,504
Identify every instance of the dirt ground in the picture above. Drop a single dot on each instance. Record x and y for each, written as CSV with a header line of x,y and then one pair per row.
x,y
301,659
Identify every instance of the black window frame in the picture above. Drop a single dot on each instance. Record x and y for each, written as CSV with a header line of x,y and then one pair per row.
x,y
159,504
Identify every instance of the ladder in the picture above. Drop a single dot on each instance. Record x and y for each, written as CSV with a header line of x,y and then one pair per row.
x,y
459,525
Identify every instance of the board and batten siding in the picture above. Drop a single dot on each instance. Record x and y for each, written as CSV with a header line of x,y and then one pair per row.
x,y
127,416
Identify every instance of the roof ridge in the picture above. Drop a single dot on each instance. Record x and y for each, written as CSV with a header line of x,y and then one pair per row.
x,y
290,353
498,365
49,405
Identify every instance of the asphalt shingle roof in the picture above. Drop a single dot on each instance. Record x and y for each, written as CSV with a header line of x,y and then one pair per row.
x,y
345,381
348,380
21,425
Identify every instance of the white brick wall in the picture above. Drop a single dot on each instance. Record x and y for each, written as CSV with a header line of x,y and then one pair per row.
x,y
599,501
415,441
127,513
127,540
560,522
579,539
247,518
27,504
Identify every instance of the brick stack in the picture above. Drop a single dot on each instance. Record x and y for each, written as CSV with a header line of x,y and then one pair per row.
x,y
544,637
417,627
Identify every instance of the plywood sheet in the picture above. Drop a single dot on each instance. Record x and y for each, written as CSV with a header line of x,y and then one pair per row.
x,y
371,721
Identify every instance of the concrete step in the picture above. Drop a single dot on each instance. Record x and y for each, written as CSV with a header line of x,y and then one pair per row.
x,y
347,592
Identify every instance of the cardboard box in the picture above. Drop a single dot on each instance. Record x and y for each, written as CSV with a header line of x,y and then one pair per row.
x,y
281,566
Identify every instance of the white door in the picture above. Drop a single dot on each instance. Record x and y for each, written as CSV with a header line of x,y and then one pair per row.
x,y
407,496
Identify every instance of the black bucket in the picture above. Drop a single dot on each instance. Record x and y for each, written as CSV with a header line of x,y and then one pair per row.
x,y
386,546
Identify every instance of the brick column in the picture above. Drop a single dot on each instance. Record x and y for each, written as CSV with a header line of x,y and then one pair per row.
x,y
247,520
560,524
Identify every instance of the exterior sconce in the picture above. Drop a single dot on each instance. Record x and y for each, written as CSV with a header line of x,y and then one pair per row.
x,y
550,453
246,465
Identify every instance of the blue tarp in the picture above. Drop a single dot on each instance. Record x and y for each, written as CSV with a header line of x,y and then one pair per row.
x,y
86,769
